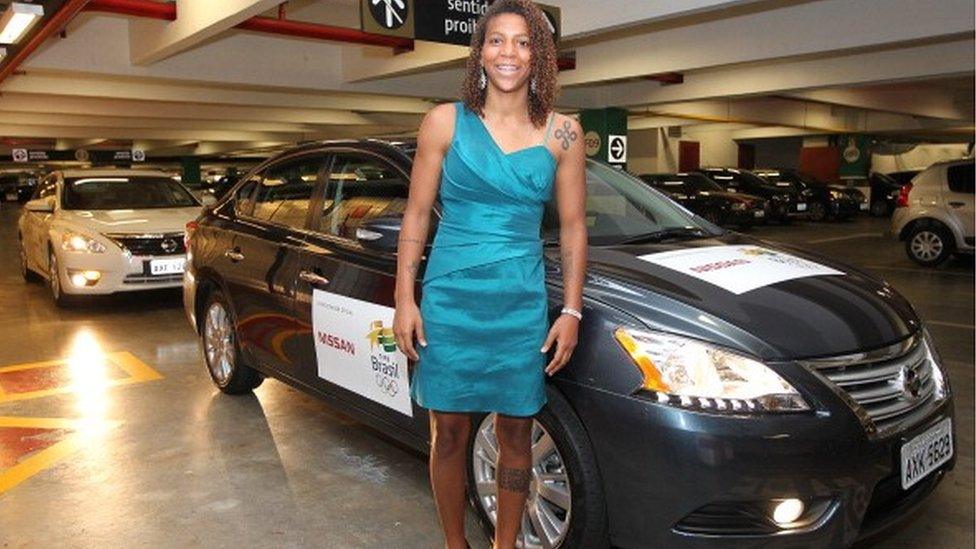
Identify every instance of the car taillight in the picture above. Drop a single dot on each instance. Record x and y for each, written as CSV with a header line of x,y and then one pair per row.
x,y
191,227
903,196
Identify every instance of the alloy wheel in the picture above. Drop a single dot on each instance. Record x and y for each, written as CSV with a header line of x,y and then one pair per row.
x,y
218,343
926,245
817,211
548,506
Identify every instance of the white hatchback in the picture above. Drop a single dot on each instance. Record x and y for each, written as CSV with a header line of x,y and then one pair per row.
x,y
934,213
96,232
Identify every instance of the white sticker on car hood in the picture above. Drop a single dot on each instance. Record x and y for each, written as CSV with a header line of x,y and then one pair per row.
x,y
355,349
739,268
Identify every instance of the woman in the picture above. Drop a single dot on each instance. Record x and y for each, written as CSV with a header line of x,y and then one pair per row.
x,y
495,158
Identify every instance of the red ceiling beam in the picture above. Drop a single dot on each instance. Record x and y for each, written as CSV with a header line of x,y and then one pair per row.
x,y
271,25
52,26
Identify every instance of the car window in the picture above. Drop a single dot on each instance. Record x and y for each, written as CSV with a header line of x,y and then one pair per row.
x,y
47,188
244,197
961,178
360,187
124,192
285,191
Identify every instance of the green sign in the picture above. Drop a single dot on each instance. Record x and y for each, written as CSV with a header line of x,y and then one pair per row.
x,y
855,156
605,134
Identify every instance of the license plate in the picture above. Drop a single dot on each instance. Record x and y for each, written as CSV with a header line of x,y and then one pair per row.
x,y
864,205
166,266
801,206
925,453
759,213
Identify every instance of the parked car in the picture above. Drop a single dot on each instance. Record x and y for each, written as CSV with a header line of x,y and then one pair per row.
x,y
885,189
17,186
934,213
783,204
706,198
722,388
823,201
96,232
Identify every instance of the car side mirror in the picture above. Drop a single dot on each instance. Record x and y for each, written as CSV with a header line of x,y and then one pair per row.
x,y
381,233
40,205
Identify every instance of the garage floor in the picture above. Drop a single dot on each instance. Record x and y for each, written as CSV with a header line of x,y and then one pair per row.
x,y
137,449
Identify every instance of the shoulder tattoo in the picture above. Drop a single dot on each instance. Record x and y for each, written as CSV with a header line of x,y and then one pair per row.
x,y
566,134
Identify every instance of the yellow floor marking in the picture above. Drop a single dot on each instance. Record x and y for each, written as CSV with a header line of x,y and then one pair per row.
x,y
49,456
139,372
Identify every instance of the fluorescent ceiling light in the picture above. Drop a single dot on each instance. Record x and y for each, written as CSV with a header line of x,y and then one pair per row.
x,y
18,18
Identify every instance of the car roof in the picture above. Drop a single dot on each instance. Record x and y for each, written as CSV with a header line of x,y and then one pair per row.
x,y
114,172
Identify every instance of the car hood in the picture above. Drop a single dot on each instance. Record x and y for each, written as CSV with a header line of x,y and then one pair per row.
x,y
144,221
807,317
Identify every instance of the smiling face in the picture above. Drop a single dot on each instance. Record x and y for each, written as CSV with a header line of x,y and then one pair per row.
x,y
506,53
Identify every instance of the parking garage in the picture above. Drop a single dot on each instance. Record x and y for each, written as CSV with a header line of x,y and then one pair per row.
x,y
828,145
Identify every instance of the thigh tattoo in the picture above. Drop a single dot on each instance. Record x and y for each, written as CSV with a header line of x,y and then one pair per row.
x,y
514,480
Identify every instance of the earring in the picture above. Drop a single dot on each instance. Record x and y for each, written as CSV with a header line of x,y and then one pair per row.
x,y
483,79
532,86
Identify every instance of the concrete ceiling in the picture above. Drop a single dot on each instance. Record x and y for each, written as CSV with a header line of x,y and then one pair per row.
x,y
777,67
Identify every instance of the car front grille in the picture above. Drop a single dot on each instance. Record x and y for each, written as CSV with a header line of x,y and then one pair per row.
x,y
888,389
147,279
150,244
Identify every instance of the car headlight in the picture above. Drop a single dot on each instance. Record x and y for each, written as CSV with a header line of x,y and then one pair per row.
x,y
77,242
692,374
836,195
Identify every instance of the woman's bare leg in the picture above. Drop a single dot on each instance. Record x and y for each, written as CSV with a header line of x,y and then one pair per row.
x,y
449,442
513,474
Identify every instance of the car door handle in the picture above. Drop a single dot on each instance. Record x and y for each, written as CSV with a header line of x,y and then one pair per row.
x,y
234,255
957,204
366,234
313,278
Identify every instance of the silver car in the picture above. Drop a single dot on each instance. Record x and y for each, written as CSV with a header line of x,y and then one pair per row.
x,y
934,212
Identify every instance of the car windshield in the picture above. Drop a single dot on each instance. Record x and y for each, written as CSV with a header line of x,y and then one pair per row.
x,y
621,208
125,193
687,182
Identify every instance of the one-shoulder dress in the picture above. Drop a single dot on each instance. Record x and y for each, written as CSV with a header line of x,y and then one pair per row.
x,y
483,302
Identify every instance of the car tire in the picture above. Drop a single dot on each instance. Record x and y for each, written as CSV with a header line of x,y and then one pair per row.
x,y
817,212
929,244
55,284
25,271
879,208
221,352
570,464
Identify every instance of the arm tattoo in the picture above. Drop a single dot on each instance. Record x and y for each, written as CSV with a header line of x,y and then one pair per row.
x,y
514,480
412,267
567,134
567,261
415,240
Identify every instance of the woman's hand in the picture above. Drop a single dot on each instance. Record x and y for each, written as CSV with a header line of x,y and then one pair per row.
x,y
406,322
564,332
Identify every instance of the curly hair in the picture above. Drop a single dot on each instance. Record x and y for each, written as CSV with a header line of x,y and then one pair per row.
x,y
543,60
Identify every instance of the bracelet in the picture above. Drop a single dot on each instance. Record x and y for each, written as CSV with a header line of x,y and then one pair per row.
x,y
571,311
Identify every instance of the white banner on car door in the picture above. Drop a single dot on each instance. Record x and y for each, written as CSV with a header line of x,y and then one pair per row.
x,y
738,269
355,349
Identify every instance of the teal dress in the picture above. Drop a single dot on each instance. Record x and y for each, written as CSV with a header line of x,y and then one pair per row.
x,y
484,304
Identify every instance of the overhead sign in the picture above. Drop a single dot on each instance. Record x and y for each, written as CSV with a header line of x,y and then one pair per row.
x,y
442,21
738,269
97,156
617,149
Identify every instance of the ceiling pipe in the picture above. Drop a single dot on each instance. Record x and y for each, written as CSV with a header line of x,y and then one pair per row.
x,y
271,25
52,26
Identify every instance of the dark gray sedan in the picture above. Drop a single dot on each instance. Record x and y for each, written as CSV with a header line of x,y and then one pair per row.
x,y
725,391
